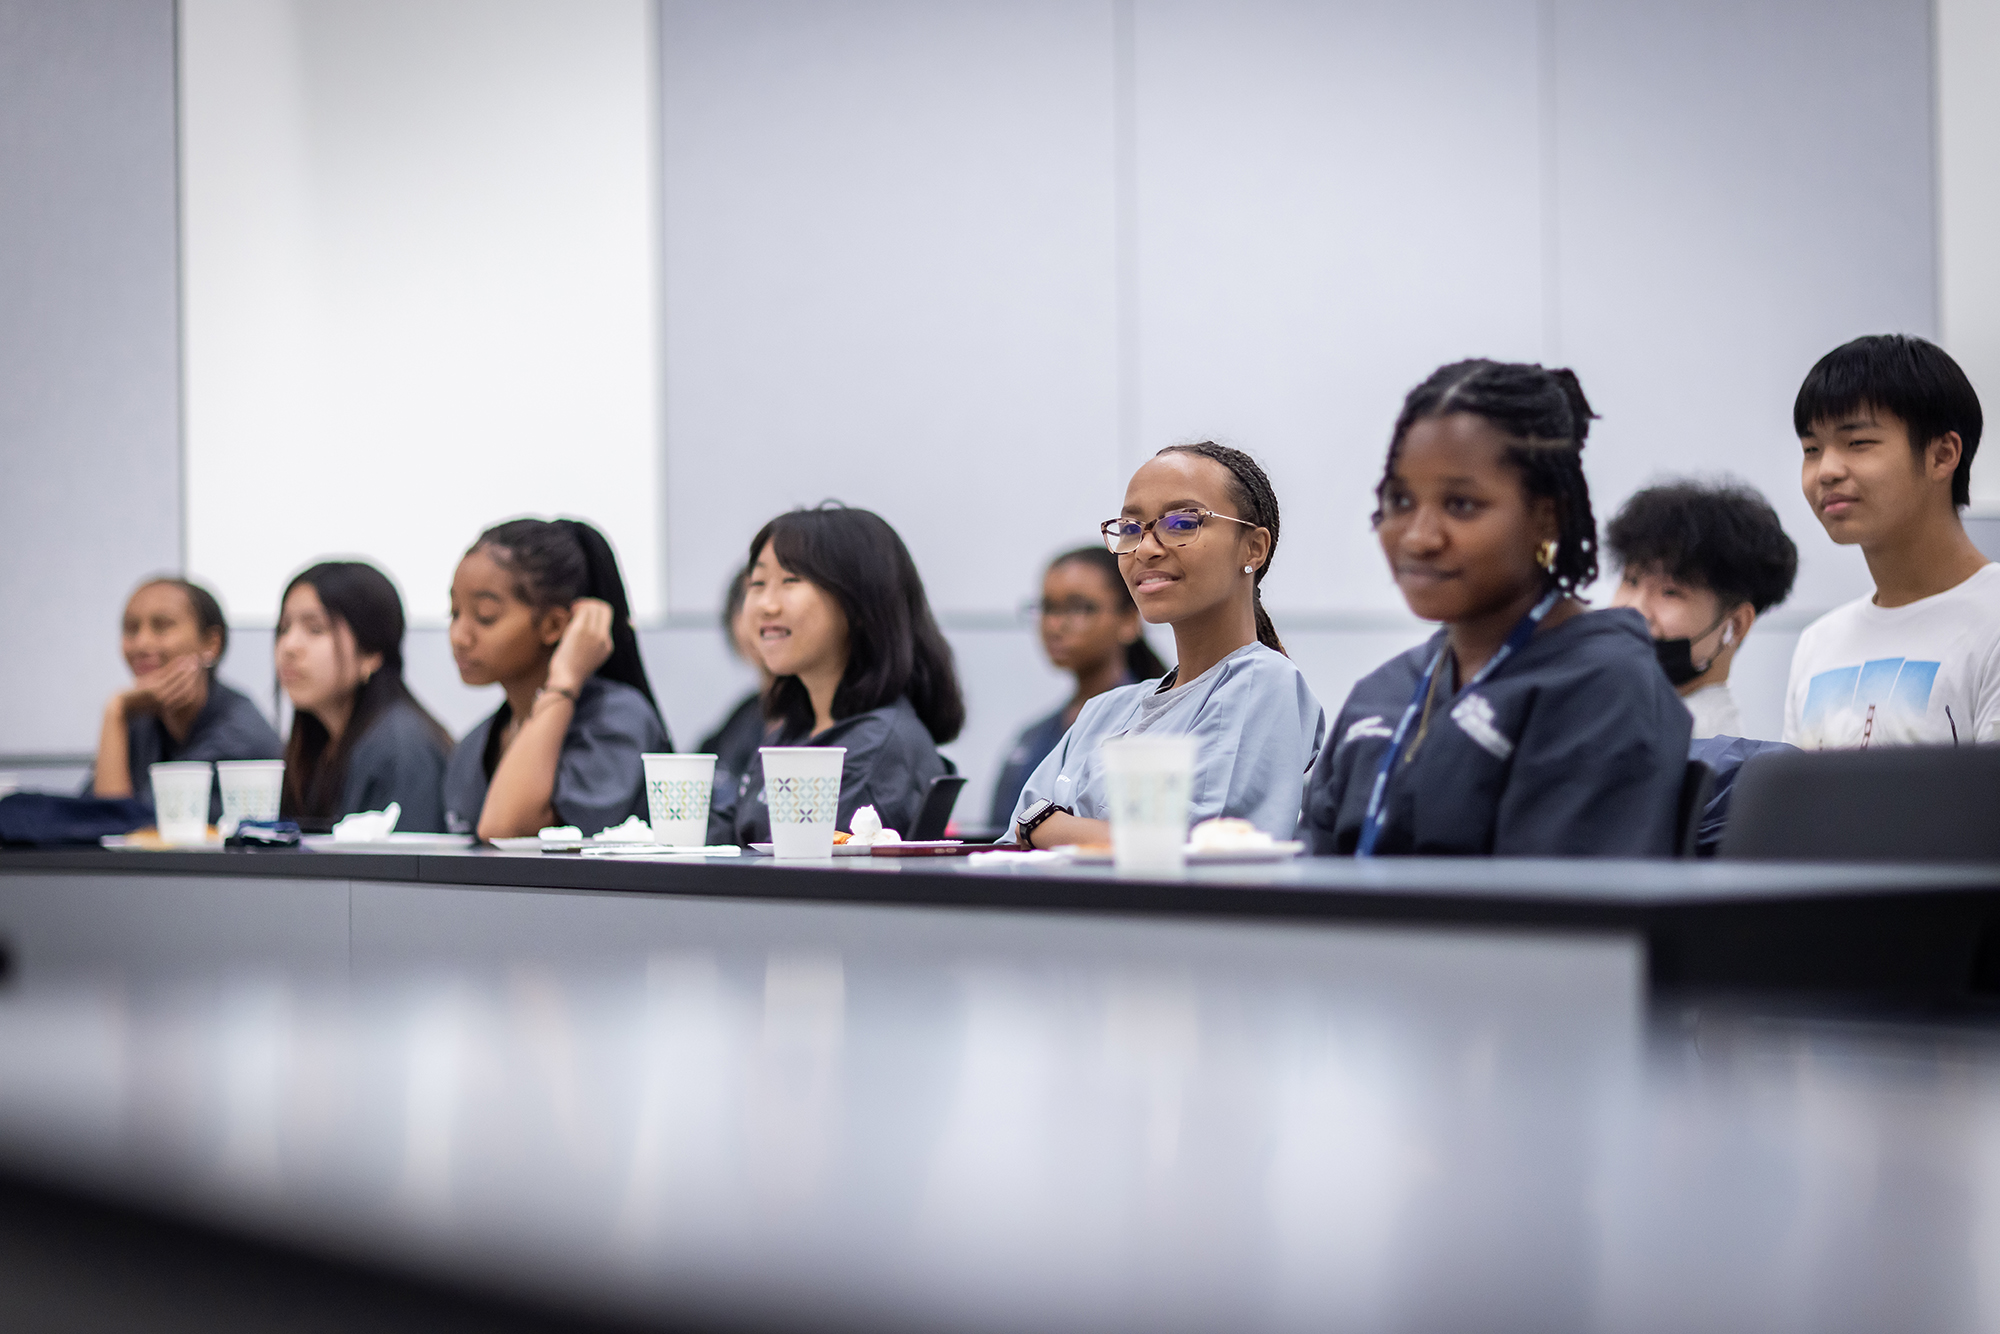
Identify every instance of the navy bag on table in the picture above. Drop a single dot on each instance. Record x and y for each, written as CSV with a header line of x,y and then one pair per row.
x,y
45,818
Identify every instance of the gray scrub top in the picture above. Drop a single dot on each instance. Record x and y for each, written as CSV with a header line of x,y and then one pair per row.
x,y
1256,724
600,779
229,727
400,758
890,762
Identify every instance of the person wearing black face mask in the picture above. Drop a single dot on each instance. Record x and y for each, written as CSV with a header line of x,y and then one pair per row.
x,y
1701,562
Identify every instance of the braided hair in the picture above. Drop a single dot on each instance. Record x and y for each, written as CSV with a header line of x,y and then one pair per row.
x,y
1547,418
1252,494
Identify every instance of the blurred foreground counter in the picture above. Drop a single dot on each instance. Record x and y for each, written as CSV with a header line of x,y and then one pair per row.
x,y
501,1091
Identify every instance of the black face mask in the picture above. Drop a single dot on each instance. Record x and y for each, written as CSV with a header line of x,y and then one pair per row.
x,y
1677,656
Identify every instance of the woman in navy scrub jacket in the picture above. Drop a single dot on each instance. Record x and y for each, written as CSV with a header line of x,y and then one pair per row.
x,y
539,609
175,709
1527,725
359,738
857,661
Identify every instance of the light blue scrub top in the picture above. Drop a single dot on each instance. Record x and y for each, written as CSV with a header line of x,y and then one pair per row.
x,y
1257,728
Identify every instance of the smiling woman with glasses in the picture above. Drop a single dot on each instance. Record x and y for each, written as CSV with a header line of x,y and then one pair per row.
x,y
1090,628
1193,543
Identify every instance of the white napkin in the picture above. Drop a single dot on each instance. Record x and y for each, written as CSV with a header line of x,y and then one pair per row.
x,y
368,826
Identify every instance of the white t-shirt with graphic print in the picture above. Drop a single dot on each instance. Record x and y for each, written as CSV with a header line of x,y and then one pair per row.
x,y
1926,674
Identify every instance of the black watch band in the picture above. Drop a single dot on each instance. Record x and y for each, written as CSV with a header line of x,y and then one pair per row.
x,y
1039,813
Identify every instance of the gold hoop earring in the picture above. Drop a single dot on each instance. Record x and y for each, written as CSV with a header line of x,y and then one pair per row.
x,y
1545,555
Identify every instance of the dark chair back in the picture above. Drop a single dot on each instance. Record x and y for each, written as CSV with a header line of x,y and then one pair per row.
x,y
1897,804
936,814
1697,788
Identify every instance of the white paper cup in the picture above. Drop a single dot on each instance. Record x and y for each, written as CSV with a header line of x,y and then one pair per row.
x,y
677,792
1148,778
251,790
802,791
180,801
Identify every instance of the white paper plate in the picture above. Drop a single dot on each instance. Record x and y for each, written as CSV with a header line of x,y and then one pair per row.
x,y
839,849
402,842
658,850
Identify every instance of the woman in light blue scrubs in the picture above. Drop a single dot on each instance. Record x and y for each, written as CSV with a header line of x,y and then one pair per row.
x,y
1194,542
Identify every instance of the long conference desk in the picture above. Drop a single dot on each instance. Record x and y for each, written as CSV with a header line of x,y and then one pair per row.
x,y
499,1091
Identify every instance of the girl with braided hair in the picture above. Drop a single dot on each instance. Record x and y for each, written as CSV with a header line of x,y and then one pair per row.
x,y
539,608
1528,724
1194,541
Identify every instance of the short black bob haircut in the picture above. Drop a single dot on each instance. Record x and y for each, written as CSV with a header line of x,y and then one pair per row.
x,y
1909,378
894,646
1721,536
1547,419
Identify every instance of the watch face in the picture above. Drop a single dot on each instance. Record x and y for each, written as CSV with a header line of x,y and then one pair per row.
x,y
1034,812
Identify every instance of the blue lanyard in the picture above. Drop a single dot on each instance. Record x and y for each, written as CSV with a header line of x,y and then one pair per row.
x,y
1371,827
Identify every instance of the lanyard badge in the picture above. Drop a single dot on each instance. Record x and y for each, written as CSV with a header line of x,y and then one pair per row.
x,y
1371,827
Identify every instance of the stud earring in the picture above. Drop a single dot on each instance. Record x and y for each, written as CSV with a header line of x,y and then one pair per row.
x,y
1249,569
1545,555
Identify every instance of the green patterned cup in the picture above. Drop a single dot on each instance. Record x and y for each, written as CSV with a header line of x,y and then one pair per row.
x,y
677,791
802,790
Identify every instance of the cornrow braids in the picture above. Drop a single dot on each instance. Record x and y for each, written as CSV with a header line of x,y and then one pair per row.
x,y
1547,419
1253,495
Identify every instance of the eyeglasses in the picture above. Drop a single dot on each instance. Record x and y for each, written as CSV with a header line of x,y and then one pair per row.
x,y
1175,528
1070,609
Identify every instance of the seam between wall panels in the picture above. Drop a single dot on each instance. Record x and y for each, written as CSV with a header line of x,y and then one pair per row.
x,y
1545,74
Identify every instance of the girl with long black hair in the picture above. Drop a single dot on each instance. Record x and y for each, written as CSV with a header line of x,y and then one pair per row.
x,y
1090,628
856,659
359,738
1194,541
1528,724
539,608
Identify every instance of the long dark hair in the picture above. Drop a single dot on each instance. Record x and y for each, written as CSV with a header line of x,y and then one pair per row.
x,y
555,562
1141,663
894,646
1547,419
207,611
1257,500
360,597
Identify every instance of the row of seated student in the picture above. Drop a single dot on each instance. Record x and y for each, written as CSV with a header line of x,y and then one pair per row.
x,y
1527,724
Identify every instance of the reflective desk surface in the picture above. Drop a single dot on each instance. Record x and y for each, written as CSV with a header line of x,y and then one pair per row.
x,y
698,1109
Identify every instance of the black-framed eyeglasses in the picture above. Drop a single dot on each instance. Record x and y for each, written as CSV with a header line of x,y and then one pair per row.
x,y
1175,528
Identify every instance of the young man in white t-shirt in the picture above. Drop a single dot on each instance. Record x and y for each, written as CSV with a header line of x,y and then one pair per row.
x,y
1889,425
1701,562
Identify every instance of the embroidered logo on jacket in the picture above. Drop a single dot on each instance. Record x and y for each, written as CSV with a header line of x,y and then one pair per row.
x,y
1367,727
1474,717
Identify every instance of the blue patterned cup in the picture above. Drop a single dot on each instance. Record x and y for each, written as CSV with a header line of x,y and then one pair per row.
x,y
677,790
802,791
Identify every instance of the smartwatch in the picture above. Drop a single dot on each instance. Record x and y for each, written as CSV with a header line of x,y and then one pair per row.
x,y
1033,817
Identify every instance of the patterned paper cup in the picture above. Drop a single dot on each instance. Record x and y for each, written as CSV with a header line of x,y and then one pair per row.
x,y
180,801
251,790
1149,778
677,792
802,789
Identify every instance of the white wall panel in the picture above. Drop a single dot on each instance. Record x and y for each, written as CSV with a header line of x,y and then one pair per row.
x,y
1732,207
889,251
1332,200
422,294
1968,166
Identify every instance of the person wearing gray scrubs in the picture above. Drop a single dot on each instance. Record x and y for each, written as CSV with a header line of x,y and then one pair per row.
x,y
838,614
539,609
359,738
173,635
1195,539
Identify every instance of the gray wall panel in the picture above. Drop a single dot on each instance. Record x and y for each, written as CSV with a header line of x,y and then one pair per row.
x,y
89,380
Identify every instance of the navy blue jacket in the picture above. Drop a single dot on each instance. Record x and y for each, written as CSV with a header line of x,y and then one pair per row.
x,y
1575,746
